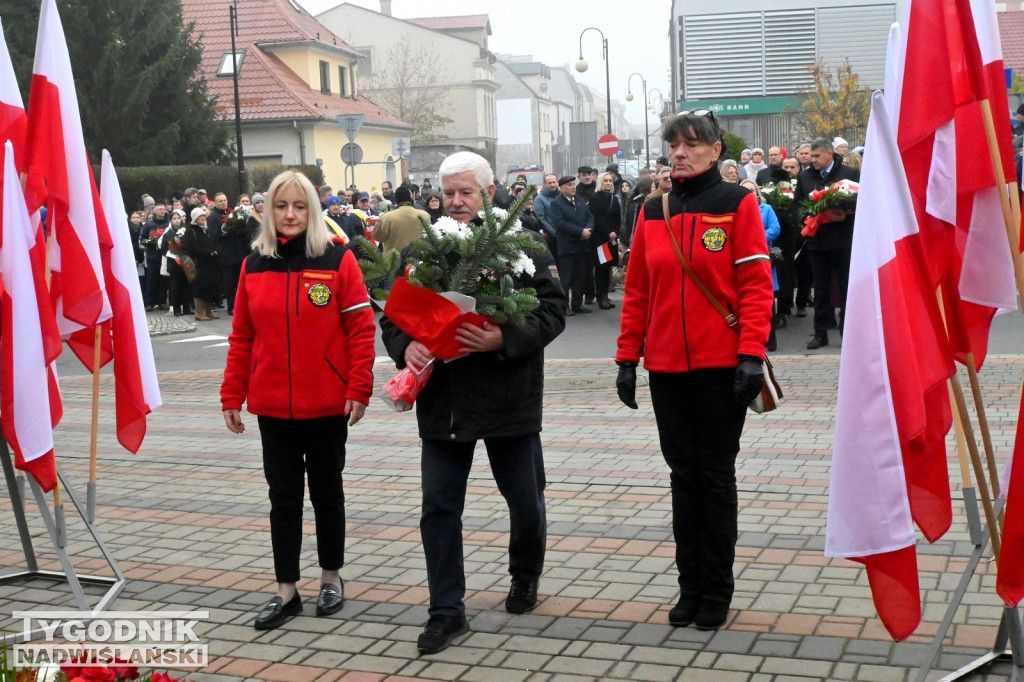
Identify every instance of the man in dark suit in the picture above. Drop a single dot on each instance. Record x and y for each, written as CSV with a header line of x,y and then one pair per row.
x,y
574,224
830,247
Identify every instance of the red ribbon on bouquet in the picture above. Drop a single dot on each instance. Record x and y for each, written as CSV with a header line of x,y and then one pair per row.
x,y
428,317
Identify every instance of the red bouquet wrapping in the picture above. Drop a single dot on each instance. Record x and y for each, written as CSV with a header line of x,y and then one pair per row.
x,y
401,390
828,205
432,319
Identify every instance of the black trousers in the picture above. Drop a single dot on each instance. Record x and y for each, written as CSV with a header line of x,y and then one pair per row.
x,y
573,272
826,265
518,467
293,448
699,426
156,284
804,278
229,275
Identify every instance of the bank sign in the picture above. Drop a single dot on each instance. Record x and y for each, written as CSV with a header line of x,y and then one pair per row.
x,y
747,107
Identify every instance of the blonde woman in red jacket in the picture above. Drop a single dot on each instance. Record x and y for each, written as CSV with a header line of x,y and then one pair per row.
x,y
301,354
703,372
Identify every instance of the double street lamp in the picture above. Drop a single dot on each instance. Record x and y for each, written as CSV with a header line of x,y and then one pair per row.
x,y
582,65
629,98
660,100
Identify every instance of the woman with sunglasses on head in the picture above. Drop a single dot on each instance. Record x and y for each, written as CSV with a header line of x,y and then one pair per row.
x,y
703,352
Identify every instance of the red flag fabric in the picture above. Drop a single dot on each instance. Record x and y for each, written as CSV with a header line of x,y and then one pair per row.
x,y
137,392
12,109
604,253
888,465
1010,578
954,193
27,406
57,160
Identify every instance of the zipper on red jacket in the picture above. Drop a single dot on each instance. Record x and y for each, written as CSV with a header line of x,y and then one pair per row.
x,y
288,335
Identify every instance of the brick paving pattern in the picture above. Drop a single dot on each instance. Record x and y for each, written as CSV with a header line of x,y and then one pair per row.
x,y
187,520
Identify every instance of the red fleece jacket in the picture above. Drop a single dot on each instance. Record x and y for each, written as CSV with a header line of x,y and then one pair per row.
x,y
302,338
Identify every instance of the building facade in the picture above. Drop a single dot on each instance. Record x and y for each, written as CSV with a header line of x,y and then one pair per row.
x,y
750,63
456,47
294,79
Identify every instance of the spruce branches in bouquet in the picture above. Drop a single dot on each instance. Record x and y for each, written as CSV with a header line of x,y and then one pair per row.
x,y
459,273
176,240
480,261
829,205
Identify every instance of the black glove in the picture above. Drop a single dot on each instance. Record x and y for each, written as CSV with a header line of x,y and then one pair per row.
x,y
747,382
625,384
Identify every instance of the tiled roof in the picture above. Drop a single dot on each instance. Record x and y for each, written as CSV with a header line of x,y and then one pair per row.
x,y
267,89
465,21
1011,34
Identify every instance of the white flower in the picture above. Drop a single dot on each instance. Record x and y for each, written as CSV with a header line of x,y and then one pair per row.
x,y
450,226
523,264
501,214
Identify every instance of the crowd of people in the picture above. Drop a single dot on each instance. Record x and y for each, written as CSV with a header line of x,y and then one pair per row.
x,y
189,247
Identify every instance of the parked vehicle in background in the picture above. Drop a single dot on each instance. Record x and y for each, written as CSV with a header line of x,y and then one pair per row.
x,y
534,175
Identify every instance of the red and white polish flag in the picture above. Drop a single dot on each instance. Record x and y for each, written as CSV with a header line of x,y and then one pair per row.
x,y
894,362
57,161
28,387
137,392
604,253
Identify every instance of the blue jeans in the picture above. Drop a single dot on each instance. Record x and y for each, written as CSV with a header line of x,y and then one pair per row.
x,y
518,467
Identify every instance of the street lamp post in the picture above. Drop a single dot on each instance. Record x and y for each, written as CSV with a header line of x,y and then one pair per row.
x,y
661,102
233,14
582,65
629,98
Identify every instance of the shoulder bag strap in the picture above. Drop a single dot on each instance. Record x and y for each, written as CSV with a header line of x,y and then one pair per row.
x,y
730,318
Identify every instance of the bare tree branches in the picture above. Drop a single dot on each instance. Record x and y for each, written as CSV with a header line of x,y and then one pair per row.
x,y
413,83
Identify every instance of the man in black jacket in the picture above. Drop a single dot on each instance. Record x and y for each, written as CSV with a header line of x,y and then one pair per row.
x,y
494,392
149,239
574,224
830,247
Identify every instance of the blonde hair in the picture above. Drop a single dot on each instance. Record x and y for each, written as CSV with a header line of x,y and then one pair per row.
x,y
317,237
608,175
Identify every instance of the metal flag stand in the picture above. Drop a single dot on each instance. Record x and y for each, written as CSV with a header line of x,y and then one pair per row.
x,y
55,526
1009,624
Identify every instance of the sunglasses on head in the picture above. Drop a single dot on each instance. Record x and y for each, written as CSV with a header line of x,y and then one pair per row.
x,y
698,112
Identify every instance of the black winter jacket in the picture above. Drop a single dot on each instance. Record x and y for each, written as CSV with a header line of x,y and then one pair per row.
x,y
831,235
495,394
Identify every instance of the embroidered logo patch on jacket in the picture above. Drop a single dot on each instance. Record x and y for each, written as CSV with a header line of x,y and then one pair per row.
x,y
714,239
319,294
716,219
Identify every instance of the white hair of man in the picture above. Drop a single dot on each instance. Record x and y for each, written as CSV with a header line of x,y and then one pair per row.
x,y
460,162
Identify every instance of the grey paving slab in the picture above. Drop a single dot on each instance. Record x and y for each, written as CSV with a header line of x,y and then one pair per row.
x,y
194,498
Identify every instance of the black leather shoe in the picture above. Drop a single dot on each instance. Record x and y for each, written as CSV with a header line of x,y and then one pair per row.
x,y
522,596
817,342
606,305
440,632
772,345
331,599
711,615
684,613
583,309
276,613
589,300
801,311
570,313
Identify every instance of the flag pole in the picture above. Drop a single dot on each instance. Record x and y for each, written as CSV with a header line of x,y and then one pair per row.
x,y
962,419
90,499
1012,228
986,436
979,472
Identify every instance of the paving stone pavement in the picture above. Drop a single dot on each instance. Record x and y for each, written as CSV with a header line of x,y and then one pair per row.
x,y
162,324
187,520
